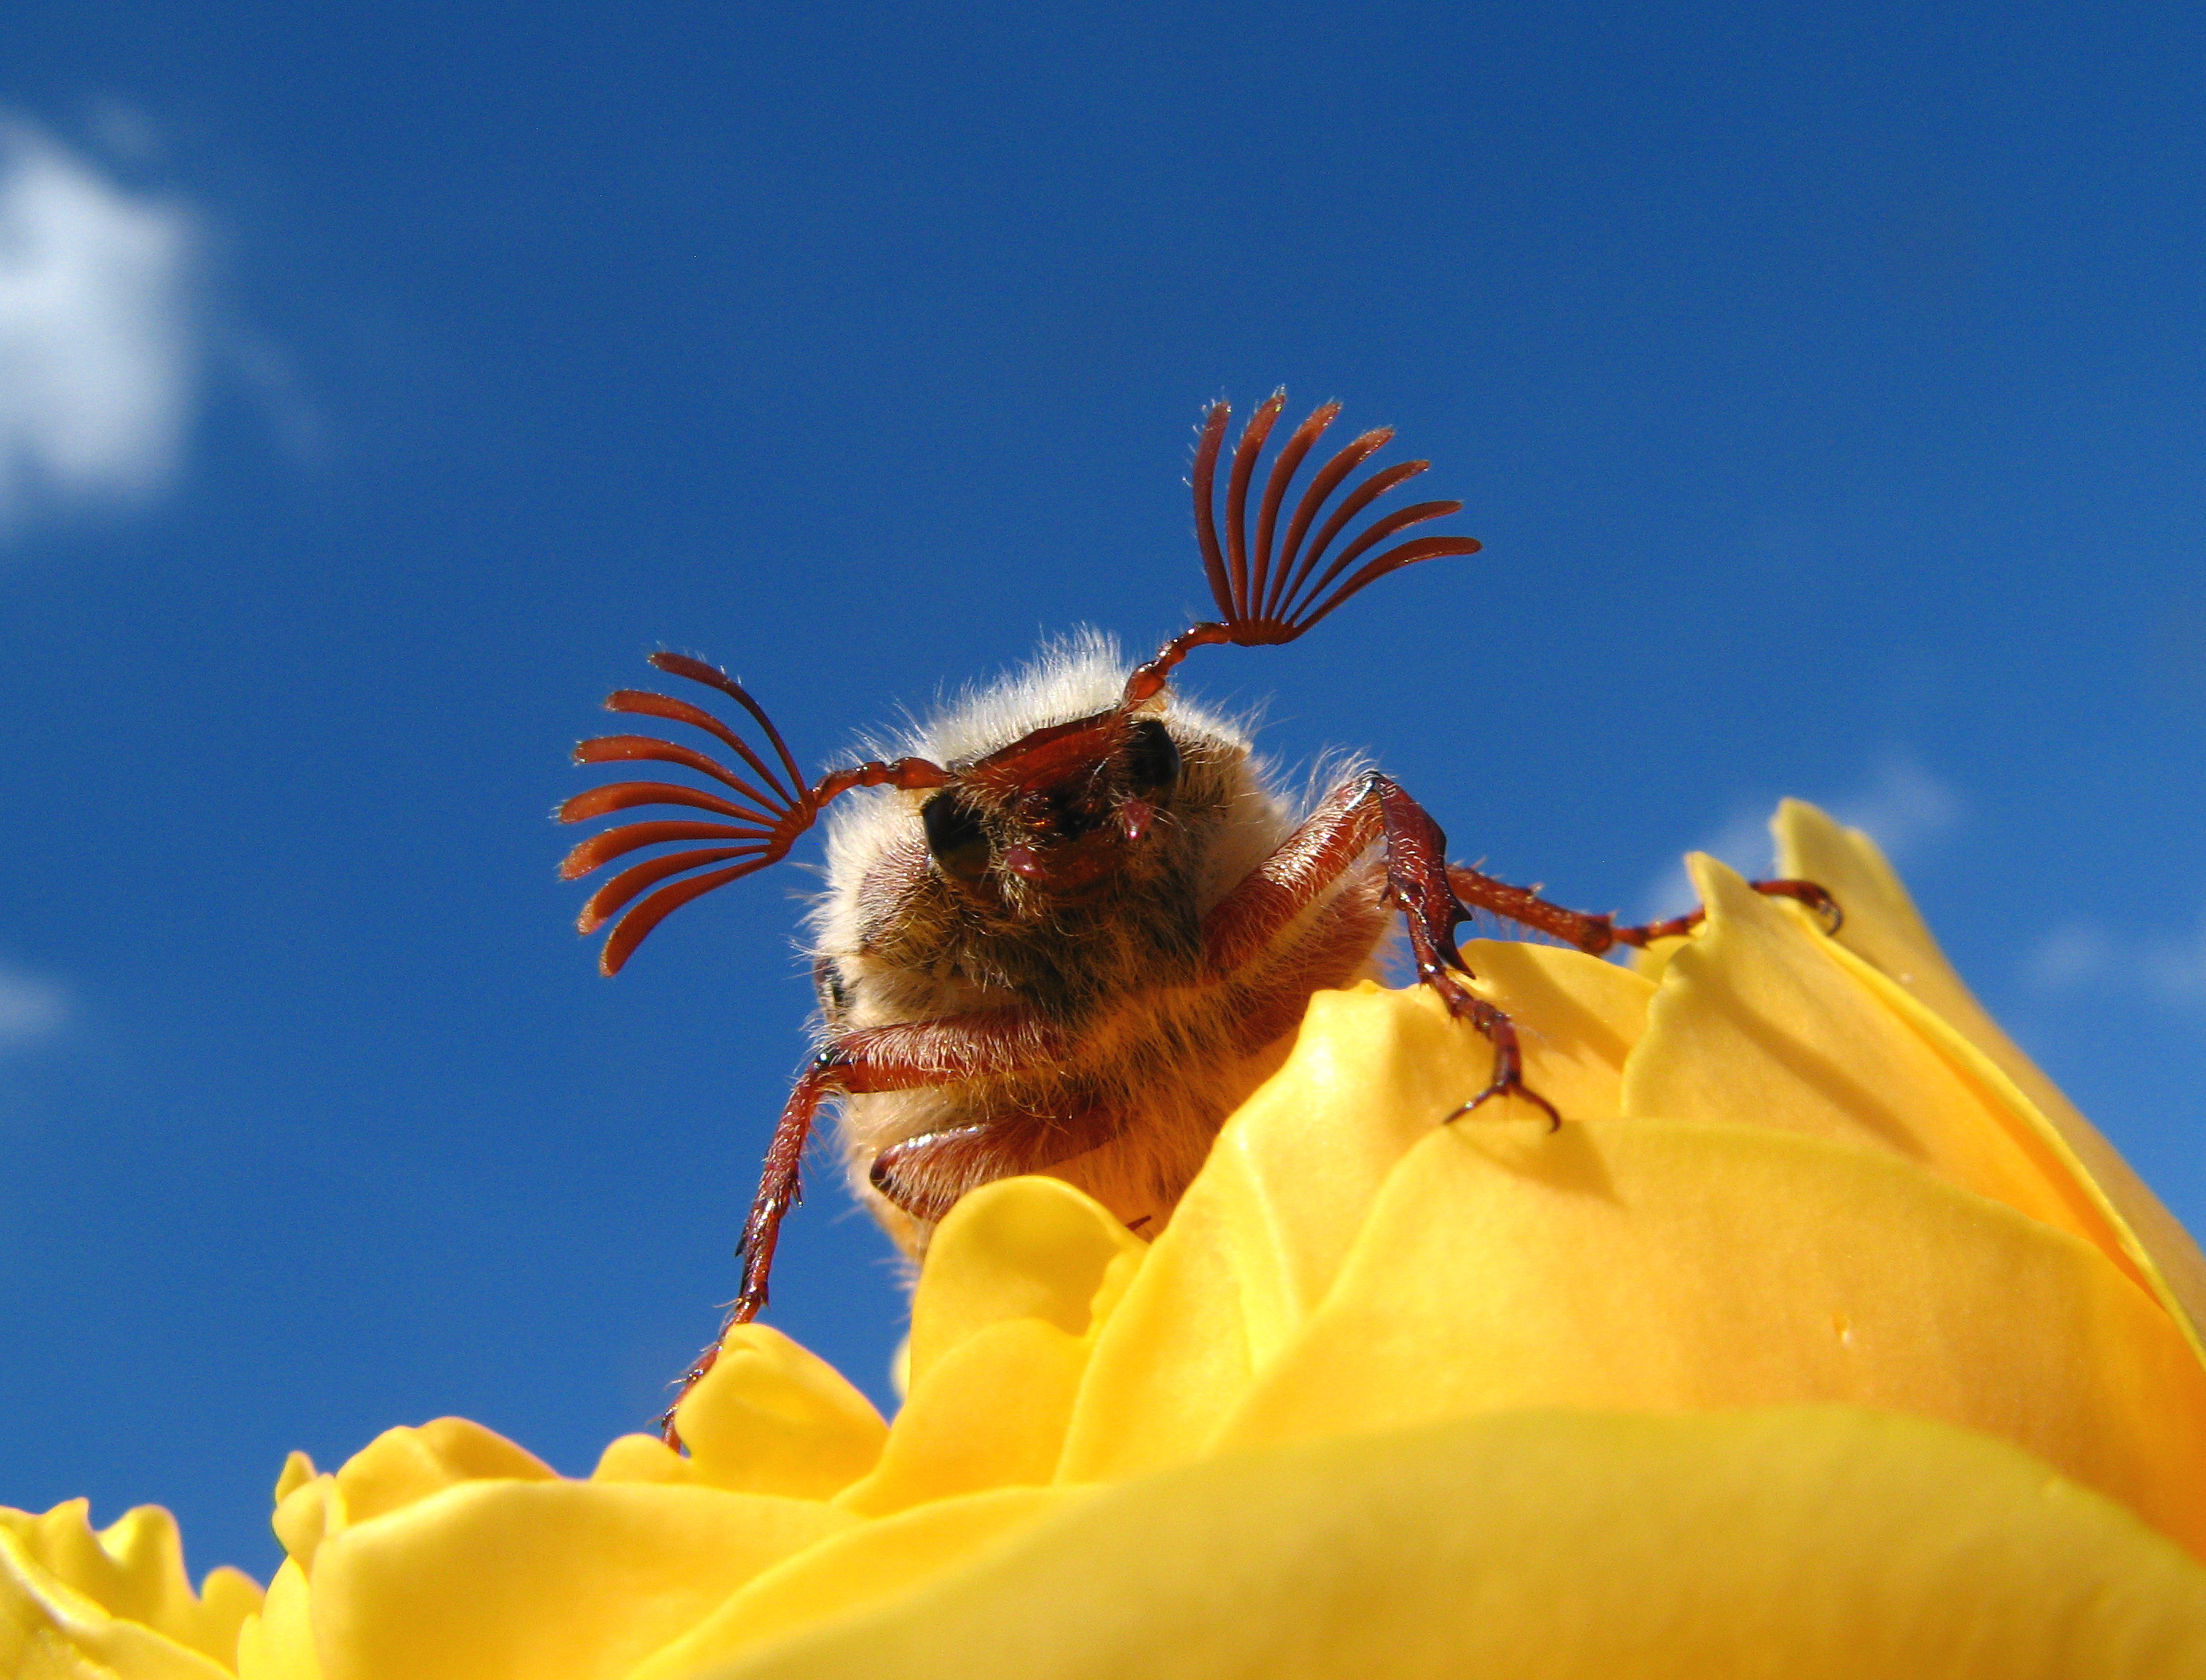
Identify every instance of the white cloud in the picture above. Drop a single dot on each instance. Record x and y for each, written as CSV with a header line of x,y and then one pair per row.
x,y
2087,955
1743,842
100,334
1903,805
2176,969
2070,955
30,1010
1900,806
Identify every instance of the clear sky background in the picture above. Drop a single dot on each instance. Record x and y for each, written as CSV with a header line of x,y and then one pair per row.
x,y
379,385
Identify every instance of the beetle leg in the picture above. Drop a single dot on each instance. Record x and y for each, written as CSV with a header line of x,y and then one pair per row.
x,y
1598,935
1804,892
925,1174
1421,882
1372,807
901,1057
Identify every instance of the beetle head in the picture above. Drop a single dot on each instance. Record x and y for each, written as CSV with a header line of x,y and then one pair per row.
x,y
1063,809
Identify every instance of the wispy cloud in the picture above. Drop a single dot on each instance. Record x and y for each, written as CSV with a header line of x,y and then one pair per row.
x,y
1900,804
2168,967
30,1010
1902,807
101,339
2176,968
2072,955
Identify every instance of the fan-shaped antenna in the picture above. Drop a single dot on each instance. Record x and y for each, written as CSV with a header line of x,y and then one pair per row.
x,y
770,806
1265,600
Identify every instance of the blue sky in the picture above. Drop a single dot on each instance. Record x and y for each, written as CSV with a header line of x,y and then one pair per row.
x,y
378,386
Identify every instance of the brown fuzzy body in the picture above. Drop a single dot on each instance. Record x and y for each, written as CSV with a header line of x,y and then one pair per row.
x,y
1152,1049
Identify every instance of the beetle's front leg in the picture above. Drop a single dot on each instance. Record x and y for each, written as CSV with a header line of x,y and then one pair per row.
x,y
1310,864
902,1057
1417,878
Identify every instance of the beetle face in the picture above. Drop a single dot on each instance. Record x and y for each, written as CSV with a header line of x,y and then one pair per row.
x,y
1062,810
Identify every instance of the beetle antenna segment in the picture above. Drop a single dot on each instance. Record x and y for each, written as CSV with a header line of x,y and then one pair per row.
x,y
1262,606
1261,603
767,819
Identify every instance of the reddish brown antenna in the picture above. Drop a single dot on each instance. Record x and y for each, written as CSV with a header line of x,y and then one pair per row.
x,y
1261,603
769,813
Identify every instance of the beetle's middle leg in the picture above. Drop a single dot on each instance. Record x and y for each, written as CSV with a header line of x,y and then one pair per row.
x,y
1596,935
925,1175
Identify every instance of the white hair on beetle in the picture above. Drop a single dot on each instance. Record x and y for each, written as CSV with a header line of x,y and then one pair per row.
x,y
1069,677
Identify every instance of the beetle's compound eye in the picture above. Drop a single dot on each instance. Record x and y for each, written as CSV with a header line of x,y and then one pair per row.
x,y
834,992
954,836
1153,761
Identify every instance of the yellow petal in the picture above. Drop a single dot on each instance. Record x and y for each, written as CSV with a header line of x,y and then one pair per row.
x,y
1650,961
1577,1016
770,1417
1804,1542
396,1469
1883,928
298,1470
400,1466
1018,1278
545,1579
229,1598
643,1458
134,1570
869,1564
306,1515
278,1643
1995,1088
1758,1021
50,1630
1669,1265
990,1413
1254,1244
1020,1248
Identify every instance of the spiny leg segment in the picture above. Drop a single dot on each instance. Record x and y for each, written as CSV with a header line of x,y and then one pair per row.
x,y
901,1057
1372,808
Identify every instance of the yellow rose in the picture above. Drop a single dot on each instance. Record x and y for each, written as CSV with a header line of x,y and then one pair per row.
x,y
1824,1337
